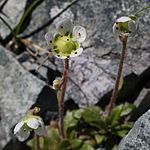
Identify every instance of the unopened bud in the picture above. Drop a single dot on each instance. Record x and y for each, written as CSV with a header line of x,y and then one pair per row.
x,y
56,84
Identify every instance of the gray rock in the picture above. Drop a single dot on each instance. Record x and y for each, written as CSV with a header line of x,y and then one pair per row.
x,y
18,91
92,74
13,11
142,104
138,137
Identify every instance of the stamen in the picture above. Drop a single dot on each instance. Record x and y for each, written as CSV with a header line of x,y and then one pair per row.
x,y
61,27
79,34
75,52
117,28
67,39
54,47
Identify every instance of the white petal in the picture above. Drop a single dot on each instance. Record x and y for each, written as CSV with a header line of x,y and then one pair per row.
x,y
79,33
18,127
41,131
132,26
33,123
123,19
23,135
64,26
115,31
49,38
59,56
77,53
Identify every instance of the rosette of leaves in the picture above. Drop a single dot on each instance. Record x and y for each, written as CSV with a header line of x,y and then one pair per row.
x,y
93,128
88,129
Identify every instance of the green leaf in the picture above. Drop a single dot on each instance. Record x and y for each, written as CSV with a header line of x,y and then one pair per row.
x,y
91,142
86,147
127,108
84,137
64,145
99,138
69,120
91,114
121,133
115,147
75,144
27,11
78,113
122,130
115,115
120,111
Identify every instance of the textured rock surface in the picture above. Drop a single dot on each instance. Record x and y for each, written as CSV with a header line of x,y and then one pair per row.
x,y
142,103
18,91
139,136
13,11
92,74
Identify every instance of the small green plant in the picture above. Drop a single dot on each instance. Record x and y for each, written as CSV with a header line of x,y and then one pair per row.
x,y
85,128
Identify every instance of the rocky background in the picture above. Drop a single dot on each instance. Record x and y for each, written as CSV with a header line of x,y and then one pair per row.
x,y
91,76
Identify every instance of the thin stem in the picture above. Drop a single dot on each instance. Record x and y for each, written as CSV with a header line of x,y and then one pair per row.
x,y
36,142
61,102
144,8
113,99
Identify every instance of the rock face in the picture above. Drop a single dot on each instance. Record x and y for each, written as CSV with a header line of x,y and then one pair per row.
x,y
18,91
92,74
12,15
139,136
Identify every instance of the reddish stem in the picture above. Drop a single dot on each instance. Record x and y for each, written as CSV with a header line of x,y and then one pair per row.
x,y
61,102
113,99
37,144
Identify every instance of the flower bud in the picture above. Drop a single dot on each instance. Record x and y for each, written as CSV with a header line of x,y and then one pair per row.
x,y
56,84
125,26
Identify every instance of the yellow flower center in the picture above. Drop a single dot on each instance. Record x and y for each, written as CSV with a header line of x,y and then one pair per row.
x,y
64,45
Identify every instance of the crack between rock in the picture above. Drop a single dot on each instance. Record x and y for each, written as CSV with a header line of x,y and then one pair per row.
x,y
87,99
2,5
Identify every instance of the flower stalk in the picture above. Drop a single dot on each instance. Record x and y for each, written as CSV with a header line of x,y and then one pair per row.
x,y
123,40
61,102
36,142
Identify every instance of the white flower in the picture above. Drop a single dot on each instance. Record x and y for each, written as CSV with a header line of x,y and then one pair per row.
x,y
125,26
66,42
27,124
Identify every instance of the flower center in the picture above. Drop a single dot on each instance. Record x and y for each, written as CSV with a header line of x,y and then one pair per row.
x,y
64,45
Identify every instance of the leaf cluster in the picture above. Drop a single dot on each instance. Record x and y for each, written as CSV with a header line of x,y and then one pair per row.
x,y
88,128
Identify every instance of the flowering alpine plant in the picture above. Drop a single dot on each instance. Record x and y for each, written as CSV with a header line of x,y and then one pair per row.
x,y
65,43
27,124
